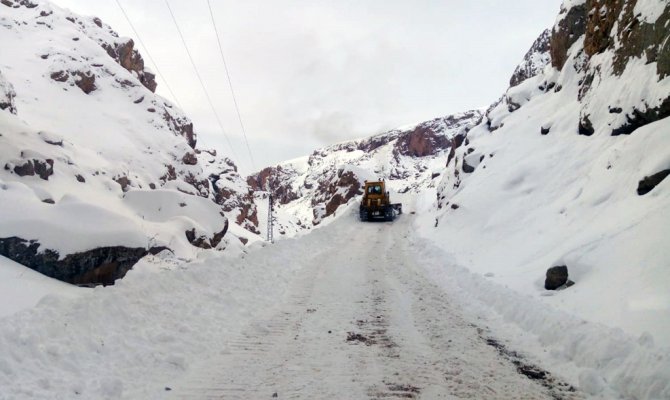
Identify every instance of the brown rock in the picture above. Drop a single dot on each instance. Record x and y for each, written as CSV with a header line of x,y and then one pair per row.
x,y
197,241
189,158
97,266
216,239
181,126
60,76
124,182
170,175
130,59
600,20
85,81
571,27
44,168
201,185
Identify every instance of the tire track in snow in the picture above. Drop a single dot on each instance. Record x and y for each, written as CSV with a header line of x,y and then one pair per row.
x,y
362,322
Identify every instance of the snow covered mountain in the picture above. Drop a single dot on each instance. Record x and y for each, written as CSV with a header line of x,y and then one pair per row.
x,y
96,170
566,169
310,189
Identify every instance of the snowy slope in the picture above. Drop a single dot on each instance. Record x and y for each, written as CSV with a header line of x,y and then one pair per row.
x,y
560,163
91,157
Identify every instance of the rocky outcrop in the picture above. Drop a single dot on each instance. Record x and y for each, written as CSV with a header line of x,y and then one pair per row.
x,y
18,3
276,180
181,126
204,242
7,95
189,158
32,164
639,118
639,38
534,61
125,54
101,266
85,81
422,141
600,19
334,193
571,26
233,195
648,184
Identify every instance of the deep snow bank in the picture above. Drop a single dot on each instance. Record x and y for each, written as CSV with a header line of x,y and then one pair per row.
x,y
603,362
135,338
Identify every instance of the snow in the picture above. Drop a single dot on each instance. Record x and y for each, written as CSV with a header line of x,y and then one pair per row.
x,y
196,326
120,130
132,339
479,242
603,360
650,10
23,288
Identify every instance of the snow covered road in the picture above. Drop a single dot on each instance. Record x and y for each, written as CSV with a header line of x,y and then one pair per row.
x,y
361,321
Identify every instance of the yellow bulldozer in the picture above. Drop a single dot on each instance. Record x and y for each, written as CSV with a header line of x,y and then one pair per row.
x,y
376,203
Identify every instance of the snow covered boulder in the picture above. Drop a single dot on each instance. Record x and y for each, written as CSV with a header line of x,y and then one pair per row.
x,y
556,277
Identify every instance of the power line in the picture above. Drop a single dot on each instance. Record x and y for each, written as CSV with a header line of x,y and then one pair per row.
x,y
202,84
230,84
146,49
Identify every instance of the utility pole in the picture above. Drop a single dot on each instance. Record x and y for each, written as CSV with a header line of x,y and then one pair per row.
x,y
270,219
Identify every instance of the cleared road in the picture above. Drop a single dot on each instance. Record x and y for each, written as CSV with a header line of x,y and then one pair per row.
x,y
362,322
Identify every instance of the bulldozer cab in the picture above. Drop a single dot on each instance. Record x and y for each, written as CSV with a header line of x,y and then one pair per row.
x,y
373,189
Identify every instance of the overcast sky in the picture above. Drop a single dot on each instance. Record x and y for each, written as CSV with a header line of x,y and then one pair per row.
x,y
312,73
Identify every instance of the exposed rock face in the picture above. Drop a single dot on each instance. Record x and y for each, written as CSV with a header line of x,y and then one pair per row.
x,y
7,95
428,139
202,241
189,158
233,194
637,118
274,180
18,3
181,126
335,193
43,167
85,81
534,61
648,184
600,20
424,140
100,266
570,28
640,37
125,54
